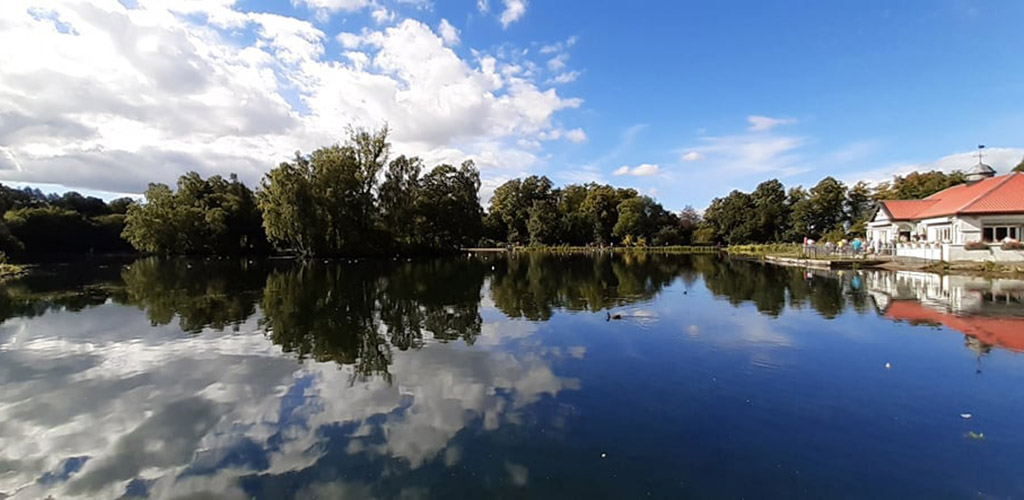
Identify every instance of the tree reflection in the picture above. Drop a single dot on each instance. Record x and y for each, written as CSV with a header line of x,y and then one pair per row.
x,y
531,285
326,312
774,288
202,293
68,287
354,313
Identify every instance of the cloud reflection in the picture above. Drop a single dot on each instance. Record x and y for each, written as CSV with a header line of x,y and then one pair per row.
x,y
189,414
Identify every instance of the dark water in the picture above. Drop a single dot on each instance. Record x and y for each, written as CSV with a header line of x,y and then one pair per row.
x,y
502,376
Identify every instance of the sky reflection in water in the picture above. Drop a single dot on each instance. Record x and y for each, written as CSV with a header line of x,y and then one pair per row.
x,y
505,376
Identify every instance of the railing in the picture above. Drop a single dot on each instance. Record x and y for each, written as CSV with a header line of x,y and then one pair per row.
x,y
839,252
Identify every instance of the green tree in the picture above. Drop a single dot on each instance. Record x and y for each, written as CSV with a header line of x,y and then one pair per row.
x,y
399,197
770,212
918,185
640,216
449,212
120,205
331,203
325,203
204,216
733,219
49,229
543,223
576,227
512,202
1020,166
689,221
287,203
858,207
800,213
601,206
827,203
153,227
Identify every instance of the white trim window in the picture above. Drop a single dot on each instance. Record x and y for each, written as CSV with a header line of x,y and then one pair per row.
x,y
999,233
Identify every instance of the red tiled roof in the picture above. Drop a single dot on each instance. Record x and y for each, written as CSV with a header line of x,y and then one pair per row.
x,y
1003,194
1003,332
906,209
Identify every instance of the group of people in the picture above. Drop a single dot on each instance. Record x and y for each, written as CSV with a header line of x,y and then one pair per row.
x,y
854,247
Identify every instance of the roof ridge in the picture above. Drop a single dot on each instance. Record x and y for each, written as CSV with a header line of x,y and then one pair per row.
x,y
1003,180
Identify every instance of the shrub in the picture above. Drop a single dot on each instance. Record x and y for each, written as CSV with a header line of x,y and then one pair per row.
x,y
976,245
1012,245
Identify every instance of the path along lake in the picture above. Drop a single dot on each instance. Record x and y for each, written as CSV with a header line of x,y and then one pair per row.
x,y
508,376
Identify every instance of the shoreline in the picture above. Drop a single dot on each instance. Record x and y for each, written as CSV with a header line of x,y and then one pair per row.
x,y
984,269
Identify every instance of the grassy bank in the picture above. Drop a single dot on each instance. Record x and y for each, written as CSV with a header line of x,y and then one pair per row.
x,y
762,250
570,249
9,271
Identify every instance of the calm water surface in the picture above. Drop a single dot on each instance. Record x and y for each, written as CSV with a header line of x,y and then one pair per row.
x,y
533,376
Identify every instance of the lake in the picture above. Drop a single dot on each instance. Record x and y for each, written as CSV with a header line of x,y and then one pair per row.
x,y
511,376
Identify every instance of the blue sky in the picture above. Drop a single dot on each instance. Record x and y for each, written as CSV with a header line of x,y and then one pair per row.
x,y
682,100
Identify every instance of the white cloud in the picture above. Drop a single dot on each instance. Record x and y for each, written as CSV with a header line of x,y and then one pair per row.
x,y
349,40
642,170
557,47
449,33
558,62
564,78
581,175
324,8
334,5
757,153
117,97
382,15
514,10
483,6
576,135
1001,159
765,123
746,154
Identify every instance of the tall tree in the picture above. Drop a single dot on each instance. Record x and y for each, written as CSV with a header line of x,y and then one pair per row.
x,y
689,220
601,206
800,214
827,203
1020,166
208,216
513,200
639,217
770,211
576,227
449,212
733,219
399,196
325,203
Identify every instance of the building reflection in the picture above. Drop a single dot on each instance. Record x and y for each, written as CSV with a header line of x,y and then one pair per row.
x,y
989,312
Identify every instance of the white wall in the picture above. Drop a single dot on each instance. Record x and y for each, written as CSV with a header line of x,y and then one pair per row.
x,y
992,254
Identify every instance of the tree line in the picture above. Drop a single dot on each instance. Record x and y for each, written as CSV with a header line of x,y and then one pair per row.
x,y
829,210
354,198
531,211
35,223
345,199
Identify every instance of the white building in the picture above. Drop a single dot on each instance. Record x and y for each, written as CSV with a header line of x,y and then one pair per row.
x,y
982,220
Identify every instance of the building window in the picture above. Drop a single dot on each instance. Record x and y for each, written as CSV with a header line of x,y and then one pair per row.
x,y
1000,233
